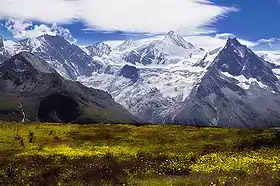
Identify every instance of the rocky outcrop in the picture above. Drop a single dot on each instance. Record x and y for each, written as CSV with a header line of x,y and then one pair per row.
x,y
130,72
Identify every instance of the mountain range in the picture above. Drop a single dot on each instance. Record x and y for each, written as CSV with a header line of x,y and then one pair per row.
x,y
158,80
31,90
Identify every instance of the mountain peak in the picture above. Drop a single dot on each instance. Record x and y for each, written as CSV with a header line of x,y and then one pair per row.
x,y
127,44
99,49
52,38
237,60
171,33
26,61
233,42
235,48
176,39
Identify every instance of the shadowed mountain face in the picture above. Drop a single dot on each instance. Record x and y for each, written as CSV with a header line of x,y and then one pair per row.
x,y
58,108
130,72
32,90
239,90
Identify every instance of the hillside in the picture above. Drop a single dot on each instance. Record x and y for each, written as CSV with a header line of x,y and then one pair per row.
x,y
130,155
31,90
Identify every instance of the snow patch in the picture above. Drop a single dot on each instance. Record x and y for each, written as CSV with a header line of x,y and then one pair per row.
x,y
244,82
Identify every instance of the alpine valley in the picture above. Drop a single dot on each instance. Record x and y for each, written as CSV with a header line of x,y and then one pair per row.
x,y
164,79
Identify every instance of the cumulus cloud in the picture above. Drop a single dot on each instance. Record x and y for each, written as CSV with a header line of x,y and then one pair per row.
x,y
270,40
225,35
211,42
152,16
22,29
268,44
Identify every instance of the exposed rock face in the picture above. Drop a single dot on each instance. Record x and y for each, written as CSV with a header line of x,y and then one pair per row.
x,y
130,72
1,44
32,90
239,90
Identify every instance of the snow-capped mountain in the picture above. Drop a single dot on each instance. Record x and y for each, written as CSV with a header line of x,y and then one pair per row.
x,y
150,90
68,59
168,80
151,93
32,90
128,45
98,49
240,89
169,50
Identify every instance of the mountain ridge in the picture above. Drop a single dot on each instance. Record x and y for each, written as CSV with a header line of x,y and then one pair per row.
x,y
221,100
163,86
32,90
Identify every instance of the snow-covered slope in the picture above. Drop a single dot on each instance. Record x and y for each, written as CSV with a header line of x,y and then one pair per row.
x,y
167,79
128,45
98,49
273,57
68,59
151,77
151,93
170,49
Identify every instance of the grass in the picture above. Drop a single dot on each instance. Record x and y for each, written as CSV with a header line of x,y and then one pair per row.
x,y
53,154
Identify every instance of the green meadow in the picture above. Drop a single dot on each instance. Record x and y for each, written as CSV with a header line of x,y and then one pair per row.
x,y
68,154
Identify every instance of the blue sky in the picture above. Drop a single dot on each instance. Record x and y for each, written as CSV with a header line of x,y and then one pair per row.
x,y
255,19
91,21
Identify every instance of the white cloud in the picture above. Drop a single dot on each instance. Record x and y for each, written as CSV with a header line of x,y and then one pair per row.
x,y
22,29
42,10
225,35
203,41
153,16
209,42
270,40
114,43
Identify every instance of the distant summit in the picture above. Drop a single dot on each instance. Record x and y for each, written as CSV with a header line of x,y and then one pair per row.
x,y
233,90
99,49
171,47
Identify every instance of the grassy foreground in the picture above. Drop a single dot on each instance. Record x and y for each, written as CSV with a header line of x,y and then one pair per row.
x,y
52,154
